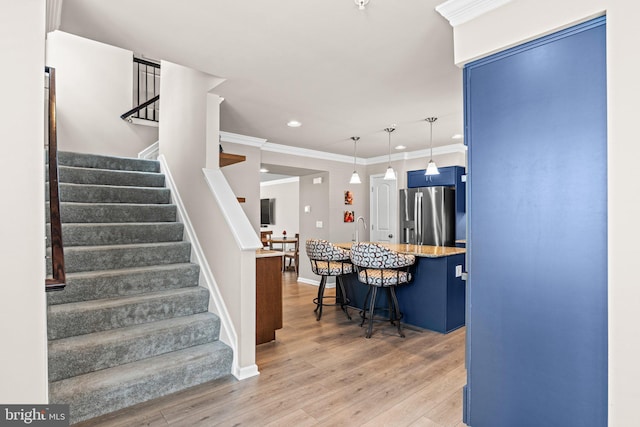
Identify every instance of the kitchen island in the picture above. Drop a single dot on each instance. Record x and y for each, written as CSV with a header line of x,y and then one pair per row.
x,y
434,299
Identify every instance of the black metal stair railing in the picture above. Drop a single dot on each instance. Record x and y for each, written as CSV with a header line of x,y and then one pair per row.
x,y
146,91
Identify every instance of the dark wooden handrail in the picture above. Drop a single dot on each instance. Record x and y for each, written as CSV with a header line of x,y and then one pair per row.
x,y
57,282
128,114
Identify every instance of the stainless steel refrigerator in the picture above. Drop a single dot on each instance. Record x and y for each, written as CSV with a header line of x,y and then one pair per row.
x,y
427,216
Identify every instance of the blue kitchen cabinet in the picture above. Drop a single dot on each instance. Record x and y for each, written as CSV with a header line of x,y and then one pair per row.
x,y
450,176
447,177
434,299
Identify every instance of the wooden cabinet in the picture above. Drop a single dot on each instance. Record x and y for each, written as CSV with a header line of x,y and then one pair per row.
x,y
268,295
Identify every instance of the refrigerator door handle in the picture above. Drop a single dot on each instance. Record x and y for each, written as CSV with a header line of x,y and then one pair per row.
x,y
406,204
417,215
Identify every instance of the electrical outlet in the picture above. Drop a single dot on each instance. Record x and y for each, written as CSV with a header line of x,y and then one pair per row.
x,y
458,271
318,224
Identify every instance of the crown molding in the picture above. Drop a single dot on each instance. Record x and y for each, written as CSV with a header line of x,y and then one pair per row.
x,y
280,181
54,15
409,155
460,11
306,152
263,144
236,138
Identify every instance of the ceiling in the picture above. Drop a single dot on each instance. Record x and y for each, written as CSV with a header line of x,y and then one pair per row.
x,y
339,70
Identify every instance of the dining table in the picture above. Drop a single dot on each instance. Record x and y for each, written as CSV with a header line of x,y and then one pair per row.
x,y
283,241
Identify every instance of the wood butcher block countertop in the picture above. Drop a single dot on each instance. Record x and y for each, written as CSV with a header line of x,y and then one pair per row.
x,y
265,253
426,251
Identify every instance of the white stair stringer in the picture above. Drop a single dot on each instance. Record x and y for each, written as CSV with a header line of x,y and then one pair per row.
x,y
228,334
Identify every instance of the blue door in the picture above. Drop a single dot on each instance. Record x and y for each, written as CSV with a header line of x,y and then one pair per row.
x,y
536,127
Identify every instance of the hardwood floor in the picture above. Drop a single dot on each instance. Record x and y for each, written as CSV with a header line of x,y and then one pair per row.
x,y
324,374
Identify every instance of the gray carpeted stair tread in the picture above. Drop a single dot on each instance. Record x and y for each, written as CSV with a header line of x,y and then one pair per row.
x,y
66,158
77,175
94,234
132,323
93,285
78,318
87,193
79,355
110,257
116,212
105,391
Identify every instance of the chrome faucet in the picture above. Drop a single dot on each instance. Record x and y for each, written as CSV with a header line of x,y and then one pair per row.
x,y
364,224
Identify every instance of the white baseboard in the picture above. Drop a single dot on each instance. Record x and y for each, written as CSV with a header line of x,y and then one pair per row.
x,y
313,282
309,281
246,372
144,122
151,152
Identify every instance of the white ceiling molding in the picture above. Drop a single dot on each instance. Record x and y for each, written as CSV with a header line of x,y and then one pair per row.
x,y
460,11
280,181
54,14
305,152
263,144
409,155
236,138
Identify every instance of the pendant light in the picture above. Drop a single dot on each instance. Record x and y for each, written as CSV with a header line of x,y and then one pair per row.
x,y
361,3
432,169
390,175
355,178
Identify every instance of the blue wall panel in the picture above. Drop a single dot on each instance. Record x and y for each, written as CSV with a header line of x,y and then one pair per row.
x,y
535,123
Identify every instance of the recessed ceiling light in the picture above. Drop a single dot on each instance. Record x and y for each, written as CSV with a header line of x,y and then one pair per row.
x,y
294,124
400,147
456,136
264,170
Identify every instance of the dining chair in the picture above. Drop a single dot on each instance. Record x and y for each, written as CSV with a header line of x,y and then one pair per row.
x,y
265,238
292,255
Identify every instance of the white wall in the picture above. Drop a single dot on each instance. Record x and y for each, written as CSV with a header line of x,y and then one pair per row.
x,y
23,359
242,177
524,20
95,86
317,196
286,193
187,130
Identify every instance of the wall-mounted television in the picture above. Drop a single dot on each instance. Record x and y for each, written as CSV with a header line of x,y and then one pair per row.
x,y
267,212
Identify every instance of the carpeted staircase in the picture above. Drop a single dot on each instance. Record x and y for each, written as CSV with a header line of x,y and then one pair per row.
x,y
132,323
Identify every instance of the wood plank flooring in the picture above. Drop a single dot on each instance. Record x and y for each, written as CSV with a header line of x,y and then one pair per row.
x,y
324,374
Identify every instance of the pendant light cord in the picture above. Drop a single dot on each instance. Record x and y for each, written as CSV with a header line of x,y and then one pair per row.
x,y
355,140
431,140
431,120
389,148
389,130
